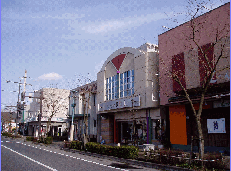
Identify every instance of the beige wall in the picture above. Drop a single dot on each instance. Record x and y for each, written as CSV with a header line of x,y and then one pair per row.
x,y
145,65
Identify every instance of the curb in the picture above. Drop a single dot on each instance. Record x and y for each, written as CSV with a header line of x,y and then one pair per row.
x,y
130,161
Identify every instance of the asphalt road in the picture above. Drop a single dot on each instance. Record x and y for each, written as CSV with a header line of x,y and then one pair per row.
x,y
18,155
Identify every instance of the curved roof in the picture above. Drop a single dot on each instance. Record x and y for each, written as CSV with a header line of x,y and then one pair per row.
x,y
120,51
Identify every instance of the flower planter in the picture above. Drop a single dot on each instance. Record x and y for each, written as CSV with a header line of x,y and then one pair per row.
x,y
147,147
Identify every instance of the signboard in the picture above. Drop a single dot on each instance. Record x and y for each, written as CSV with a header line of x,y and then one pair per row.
x,y
118,104
216,125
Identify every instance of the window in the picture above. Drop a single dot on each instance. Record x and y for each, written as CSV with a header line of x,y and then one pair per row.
x,y
127,83
120,85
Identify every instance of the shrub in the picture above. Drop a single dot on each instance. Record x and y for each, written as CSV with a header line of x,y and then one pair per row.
x,y
48,140
76,145
5,134
16,136
29,138
9,135
92,147
41,139
35,139
123,151
214,161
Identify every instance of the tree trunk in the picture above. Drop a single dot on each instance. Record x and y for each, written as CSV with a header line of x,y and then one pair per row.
x,y
86,122
201,140
48,124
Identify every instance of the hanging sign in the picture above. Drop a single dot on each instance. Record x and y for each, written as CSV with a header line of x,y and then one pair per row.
x,y
216,125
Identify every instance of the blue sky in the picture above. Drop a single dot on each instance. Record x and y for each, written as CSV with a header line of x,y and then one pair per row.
x,y
61,41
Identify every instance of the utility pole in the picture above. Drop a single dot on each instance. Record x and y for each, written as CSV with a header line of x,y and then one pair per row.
x,y
22,99
18,106
40,114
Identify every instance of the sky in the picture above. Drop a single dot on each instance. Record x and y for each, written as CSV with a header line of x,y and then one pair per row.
x,y
59,42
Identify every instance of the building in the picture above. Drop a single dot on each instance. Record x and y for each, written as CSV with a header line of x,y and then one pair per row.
x,y
8,121
82,103
55,109
180,55
128,96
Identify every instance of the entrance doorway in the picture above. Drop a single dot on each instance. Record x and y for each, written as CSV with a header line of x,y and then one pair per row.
x,y
126,131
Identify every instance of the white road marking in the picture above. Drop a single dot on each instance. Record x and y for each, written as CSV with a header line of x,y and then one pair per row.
x,y
31,159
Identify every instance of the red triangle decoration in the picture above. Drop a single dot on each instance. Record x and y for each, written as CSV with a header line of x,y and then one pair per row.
x,y
117,61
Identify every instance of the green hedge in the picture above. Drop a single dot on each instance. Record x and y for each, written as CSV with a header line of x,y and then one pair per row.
x,y
128,152
6,134
48,140
30,138
76,145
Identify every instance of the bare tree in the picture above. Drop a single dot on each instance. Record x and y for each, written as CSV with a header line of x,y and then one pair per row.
x,y
193,35
86,91
55,102
83,93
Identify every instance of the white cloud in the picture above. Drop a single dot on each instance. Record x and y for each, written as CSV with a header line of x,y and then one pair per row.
x,y
67,16
128,22
50,76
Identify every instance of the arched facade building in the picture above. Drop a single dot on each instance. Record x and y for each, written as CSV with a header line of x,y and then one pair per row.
x,y
128,96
